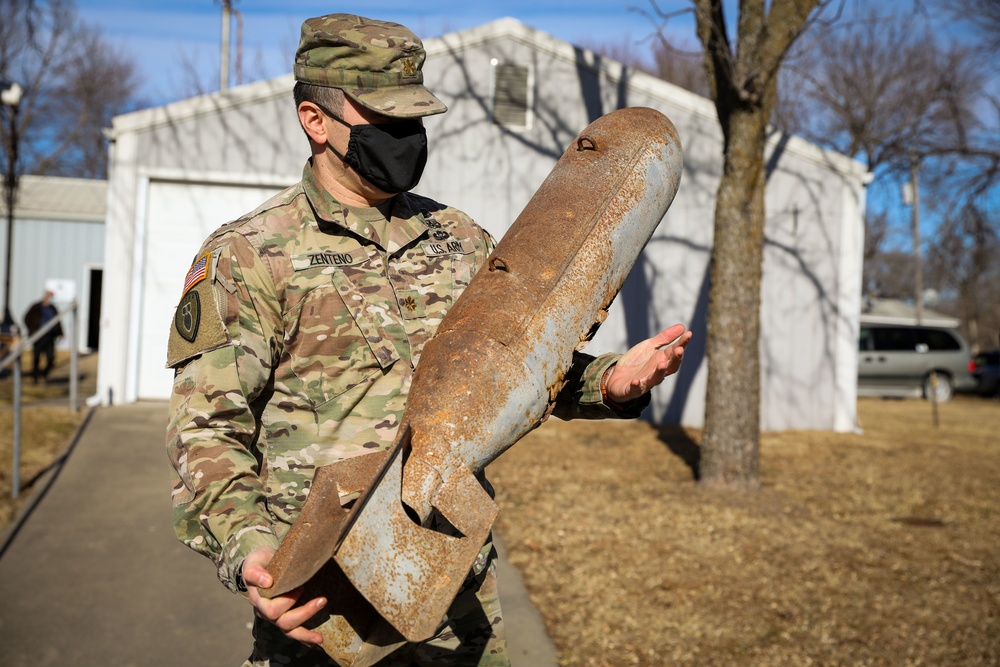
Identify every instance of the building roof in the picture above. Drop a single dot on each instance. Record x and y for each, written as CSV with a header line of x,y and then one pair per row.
x,y
615,71
894,311
505,28
60,198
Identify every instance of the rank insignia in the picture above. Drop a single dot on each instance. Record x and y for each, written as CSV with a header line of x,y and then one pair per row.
x,y
409,67
430,222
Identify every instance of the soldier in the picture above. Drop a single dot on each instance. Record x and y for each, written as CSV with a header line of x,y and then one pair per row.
x,y
300,324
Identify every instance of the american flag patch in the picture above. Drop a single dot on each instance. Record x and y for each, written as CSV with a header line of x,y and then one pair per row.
x,y
197,273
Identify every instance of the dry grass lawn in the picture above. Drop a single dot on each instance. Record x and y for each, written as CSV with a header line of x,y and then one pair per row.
x,y
45,433
47,426
879,548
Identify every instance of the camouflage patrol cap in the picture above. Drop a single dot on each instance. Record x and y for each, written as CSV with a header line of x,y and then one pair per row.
x,y
376,63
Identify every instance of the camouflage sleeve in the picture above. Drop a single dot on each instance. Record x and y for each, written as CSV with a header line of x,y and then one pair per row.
x,y
218,496
581,396
489,243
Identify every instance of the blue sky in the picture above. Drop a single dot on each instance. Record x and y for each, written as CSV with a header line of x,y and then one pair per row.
x,y
176,42
168,37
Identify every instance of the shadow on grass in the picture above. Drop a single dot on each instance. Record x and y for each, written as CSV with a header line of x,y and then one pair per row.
x,y
62,380
680,442
56,386
44,479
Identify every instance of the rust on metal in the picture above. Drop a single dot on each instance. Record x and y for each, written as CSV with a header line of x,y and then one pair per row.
x,y
313,537
354,633
494,367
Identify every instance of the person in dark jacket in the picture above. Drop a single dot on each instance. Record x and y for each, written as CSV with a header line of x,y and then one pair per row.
x,y
38,315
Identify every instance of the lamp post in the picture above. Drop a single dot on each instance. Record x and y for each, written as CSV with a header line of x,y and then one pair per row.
x,y
10,95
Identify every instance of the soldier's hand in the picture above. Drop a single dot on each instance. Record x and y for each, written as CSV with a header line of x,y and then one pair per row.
x,y
647,364
280,610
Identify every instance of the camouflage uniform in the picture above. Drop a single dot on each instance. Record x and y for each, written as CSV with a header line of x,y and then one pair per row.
x,y
294,345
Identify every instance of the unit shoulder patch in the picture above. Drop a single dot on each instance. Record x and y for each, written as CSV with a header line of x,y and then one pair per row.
x,y
198,326
188,316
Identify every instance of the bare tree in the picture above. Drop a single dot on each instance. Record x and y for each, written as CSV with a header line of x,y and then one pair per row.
x,y
890,91
625,51
883,88
876,231
742,79
983,14
965,264
889,274
74,83
681,67
192,78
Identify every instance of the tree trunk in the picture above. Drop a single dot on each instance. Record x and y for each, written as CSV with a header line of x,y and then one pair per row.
x,y
743,81
731,441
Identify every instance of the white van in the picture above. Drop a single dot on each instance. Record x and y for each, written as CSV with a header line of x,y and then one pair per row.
x,y
910,360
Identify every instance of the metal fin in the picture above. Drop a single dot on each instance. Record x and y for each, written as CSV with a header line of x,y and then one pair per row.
x,y
314,536
409,573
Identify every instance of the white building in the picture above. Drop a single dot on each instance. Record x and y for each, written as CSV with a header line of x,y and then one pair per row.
x,y
517,98
59,245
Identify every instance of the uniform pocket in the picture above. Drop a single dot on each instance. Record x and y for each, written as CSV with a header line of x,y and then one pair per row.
x,y
428,298
334,341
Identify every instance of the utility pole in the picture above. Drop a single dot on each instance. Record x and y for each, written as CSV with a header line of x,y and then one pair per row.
x,y
239,46
11,99
917,261
227,8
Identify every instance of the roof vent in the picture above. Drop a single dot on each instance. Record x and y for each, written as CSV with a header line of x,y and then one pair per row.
x,y
511,86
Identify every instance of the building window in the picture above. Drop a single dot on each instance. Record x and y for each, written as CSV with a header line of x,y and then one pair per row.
x,y
511,94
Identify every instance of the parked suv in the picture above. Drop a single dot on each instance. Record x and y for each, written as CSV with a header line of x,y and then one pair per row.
x,y
987,372
902,360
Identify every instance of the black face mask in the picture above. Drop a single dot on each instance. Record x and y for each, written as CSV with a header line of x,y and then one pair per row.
x,y
390,156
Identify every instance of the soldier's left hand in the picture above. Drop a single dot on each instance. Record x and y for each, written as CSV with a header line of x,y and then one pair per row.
x,y
284,611
647,364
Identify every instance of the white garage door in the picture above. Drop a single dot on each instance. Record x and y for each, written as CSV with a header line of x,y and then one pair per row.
x,y
179,217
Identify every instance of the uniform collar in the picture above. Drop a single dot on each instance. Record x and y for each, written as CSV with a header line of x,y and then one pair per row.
x,y
405,224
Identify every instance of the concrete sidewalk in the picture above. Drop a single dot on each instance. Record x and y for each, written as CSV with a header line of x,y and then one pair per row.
x,y
91,575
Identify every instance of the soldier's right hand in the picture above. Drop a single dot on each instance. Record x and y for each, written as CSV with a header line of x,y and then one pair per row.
x,y
280,610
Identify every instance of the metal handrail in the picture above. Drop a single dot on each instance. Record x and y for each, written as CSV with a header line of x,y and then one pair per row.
x,y
13,359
